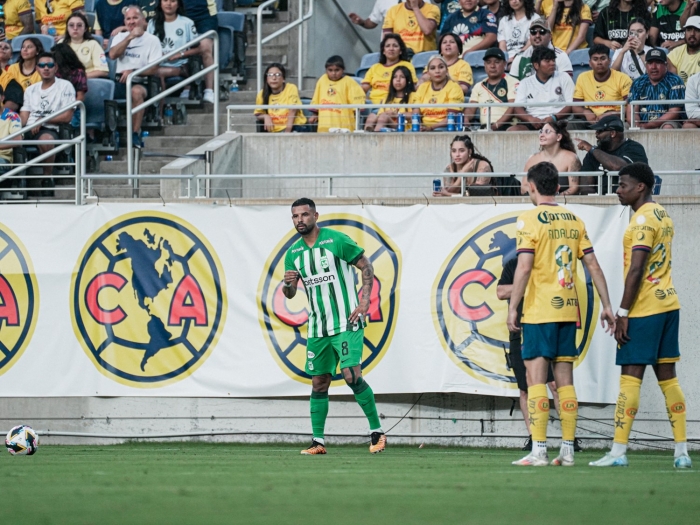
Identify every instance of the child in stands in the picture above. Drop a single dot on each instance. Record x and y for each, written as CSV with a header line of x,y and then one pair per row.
x,y
277,92
402,90
336,88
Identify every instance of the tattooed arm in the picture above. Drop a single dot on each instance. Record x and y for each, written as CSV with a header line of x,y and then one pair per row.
x,y
367,272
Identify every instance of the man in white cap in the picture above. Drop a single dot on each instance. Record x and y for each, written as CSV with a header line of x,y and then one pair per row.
x,y
684,60
540,35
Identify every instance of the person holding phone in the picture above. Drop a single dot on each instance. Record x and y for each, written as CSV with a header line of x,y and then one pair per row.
x,y
630,58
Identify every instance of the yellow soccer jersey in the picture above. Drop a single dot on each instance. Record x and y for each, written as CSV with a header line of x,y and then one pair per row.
x,y
588,89
686,65
411,100
15,73
563,34
379,76
13,10
449,94
651,230
344,91
289,96
402,21
91,55
57,11
557,238
461,71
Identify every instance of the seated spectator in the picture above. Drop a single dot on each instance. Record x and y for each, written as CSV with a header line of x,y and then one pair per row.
x,y
376,17
416,22
277,92
547,85
665,24
611,153
613,22
43,99
203,14
557,147
450,47
570,20
9,123
514,27
55,13
497,87
684,60
144,48
496,7
89,52
465,159
402,90
24,70
5,55
602,84
336,88
692,109
439,90
69,68
477,28
447,7
657,84
629,59
392,53
540,35
19,19
109,18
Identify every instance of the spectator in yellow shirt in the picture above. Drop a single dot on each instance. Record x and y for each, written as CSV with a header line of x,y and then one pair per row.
x,y
88,51
336,88
440,90
55,13
277,92
19,19
450,46
401,91
570,20
684,60
24,71
392,53
416,22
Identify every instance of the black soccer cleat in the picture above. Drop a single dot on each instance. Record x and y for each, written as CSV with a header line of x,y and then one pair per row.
x,y
528,444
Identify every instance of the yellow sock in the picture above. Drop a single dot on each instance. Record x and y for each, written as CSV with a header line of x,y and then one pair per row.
x,y
538,409
626,409
675,406
568,412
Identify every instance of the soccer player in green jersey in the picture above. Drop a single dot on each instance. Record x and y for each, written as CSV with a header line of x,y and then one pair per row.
x,y
323,260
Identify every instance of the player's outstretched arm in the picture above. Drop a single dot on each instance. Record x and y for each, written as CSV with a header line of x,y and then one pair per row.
x,y
632,283
367,272
591,262
290,283
520,280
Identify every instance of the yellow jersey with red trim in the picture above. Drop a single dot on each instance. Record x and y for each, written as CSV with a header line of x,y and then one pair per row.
x,y
403,21
343,91
557,238
289,96
398,100
57,12
651,230
461,71
450,93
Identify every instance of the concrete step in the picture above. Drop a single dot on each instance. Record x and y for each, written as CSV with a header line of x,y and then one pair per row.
x,y
147,166
195,130
270,51
180,144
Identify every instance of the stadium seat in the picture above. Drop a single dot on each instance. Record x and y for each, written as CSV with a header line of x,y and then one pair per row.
x,y
100,39
367,62
101,115
579,60
232,49
46,41
476,60
90,6
91,17
590,35
420,60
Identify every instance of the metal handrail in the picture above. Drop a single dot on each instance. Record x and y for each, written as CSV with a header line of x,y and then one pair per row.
x,y
260,40
130,111
664,102
359,35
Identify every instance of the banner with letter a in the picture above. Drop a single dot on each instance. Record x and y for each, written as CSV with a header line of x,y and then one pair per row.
x,y
187,301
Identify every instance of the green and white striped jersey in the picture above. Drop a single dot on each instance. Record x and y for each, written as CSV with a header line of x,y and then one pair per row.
x,y
329,280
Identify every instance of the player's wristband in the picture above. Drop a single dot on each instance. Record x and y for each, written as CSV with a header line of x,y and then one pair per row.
x,y
621,312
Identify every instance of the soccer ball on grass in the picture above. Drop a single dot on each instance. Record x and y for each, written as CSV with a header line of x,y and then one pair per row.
x,y
22,441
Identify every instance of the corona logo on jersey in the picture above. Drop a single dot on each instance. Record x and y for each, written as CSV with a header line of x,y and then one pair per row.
x,y
148,299
19,299
469,317
284,321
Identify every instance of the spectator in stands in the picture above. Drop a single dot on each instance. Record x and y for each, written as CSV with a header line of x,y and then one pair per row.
x,y
477,28
450,47
9,123
277,92
392,53
692,109
557,147
601,84
540,35
24,70
629,59
336,88
109,18
612,152
447,7
464,159
439,90
596,6
144,48
14,96
497,87
691,9
378,14
19,18
547,85
402,90
514,27
55,13
496,8
47,98
416,22
203,14
5,55
657,84
684,60
665,26
613,22
88,51
570,20
71,69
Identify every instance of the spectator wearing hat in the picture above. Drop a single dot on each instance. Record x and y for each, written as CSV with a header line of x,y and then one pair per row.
x,y
547,85
611,152
477,28
416,22
656,85
692,109
684,60
540,35
496,88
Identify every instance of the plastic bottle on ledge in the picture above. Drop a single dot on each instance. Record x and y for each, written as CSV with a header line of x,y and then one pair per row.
x,y
51,29
168,115
234,87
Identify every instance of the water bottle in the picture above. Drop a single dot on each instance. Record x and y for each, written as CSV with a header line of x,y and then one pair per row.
x,y
234,87
168,115
437,185
51,29
108,158
460,121
450,122
402,123
144,134
415,122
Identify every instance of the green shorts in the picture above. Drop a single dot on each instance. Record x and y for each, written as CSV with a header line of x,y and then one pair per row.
x,y
324,353
553,341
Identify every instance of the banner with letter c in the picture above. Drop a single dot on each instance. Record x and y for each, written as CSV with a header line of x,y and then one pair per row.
x,y
186,301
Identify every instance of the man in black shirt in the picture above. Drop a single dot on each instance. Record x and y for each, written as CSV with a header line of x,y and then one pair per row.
x,y
611,153
666,29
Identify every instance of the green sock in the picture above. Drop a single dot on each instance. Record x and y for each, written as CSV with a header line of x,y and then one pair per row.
x,y
319,411
365,398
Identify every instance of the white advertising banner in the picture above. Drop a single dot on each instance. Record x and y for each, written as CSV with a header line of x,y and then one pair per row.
x,y
186,300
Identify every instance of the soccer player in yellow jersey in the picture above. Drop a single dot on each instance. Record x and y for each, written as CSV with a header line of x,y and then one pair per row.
x,y
550,240
647,321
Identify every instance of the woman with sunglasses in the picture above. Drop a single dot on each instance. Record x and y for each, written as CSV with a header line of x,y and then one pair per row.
x,y
277,92
540,36
24,70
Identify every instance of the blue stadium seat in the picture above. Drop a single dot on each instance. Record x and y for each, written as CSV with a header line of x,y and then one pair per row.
x,y
420,61
90,6
367,62
476,60
232,46
99,90
579,60
100,40
91,17
590,35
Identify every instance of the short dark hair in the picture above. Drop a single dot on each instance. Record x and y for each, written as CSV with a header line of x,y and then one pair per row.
x,y
545,177
458,41
598,49
541,53
304,201
336,60
45,54
641,173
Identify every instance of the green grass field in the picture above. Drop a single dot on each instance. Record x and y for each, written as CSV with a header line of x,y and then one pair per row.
x,y
173,483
